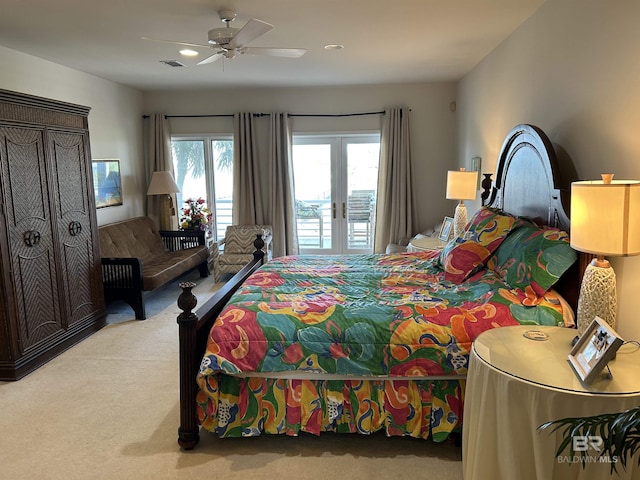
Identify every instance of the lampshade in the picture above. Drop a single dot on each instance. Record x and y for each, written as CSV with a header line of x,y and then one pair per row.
x,y
605,221
605,217
461,185
162,183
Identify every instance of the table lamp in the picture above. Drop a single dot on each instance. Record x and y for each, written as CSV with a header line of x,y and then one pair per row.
x,y
605,220
162,183
461,185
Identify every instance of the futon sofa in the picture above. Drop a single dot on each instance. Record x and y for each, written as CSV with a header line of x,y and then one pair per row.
x,y
137,257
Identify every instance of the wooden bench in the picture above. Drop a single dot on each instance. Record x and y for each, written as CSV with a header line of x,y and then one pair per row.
x,y
137,257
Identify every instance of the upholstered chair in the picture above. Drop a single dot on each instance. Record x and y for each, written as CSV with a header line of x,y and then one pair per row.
x,y
237,247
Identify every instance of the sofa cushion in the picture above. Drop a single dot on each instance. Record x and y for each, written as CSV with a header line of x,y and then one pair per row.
x,y
165,267
136,238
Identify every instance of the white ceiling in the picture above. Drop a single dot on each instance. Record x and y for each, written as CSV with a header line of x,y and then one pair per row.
x,y
385,41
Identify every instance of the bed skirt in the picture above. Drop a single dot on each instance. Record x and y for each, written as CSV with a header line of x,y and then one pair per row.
x,y
236,406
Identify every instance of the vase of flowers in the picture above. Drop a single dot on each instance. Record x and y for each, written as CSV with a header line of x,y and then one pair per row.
x,y
195,214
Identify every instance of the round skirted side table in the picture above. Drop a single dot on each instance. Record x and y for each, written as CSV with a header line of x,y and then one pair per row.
x,y
515,384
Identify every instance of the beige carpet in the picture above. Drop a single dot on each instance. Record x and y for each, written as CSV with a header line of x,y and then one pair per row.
x,y
108,409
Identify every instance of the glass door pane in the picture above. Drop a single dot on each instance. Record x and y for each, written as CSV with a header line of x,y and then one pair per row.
x,y
361,167
222,151
203,167
312,182
188,163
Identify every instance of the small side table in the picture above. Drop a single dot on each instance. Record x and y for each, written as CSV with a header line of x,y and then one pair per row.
x,y
515,384
425,244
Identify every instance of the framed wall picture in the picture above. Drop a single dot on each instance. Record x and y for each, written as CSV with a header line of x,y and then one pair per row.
x,y
106,182
593,350
446,231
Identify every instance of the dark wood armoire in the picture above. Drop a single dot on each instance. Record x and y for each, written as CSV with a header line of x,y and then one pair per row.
x,y
51,287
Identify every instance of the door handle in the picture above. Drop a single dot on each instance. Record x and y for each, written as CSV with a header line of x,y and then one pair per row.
x,y
31,238
334,209
344,210
75,228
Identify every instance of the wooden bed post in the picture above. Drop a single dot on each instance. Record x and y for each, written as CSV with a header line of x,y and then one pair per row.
x,y
193,333
258,243
188,432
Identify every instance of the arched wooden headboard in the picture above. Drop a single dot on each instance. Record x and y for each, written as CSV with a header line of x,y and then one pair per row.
x,y
533,179
530,181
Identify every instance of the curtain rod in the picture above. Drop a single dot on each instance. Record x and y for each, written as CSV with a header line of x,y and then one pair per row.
x,y
266,114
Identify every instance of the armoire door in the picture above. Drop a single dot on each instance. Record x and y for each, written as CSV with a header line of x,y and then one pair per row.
x,y
31,242
79,265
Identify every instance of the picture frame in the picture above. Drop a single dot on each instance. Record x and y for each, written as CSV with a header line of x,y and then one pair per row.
x,y
594,349
446,231
476,166
107,183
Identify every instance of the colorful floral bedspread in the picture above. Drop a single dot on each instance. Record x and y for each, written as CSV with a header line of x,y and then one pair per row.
x,y
357,315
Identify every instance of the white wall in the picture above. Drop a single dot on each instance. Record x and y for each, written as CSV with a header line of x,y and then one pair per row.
x,y
115,119
573,70
433,123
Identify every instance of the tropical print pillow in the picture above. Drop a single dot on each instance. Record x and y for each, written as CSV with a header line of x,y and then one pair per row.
x,y
466,254
533,258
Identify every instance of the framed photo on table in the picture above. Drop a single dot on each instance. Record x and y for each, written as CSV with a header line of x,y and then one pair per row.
x,y
594,349
446,231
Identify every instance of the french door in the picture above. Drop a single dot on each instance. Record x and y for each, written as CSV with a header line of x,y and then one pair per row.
x,y
335,179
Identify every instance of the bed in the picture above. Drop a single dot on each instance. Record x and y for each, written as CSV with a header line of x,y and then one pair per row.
x,y
363,343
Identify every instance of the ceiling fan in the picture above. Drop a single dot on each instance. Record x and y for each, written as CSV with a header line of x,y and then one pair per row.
x,y
228,41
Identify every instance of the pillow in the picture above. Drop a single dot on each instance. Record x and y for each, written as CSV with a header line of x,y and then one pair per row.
x,y
533,258
465,255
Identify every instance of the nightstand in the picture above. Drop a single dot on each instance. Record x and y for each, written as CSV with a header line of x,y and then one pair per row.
x,y
515,384
425,244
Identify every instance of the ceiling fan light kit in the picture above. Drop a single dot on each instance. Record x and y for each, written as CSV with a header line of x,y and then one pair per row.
x,y
187,52
222,36
227,41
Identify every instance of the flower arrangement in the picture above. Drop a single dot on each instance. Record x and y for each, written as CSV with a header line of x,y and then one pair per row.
x,y
195,214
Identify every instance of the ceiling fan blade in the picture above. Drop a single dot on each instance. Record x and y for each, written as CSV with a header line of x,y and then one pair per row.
x,y
210,58
176,43
252,30
274,52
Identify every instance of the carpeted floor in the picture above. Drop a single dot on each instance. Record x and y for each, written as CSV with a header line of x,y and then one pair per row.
x,y
108,409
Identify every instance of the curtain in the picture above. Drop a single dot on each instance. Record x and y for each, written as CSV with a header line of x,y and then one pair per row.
x,y
281,197
395,207
158,159
247,196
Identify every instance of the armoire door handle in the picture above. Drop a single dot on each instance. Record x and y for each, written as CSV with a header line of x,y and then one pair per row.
x,y
75,228
31,238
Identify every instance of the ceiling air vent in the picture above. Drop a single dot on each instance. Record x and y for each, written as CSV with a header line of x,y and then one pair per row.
x,y
172,63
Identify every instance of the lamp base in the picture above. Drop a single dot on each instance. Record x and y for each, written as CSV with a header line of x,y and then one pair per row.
x,y
165,213
597,296
459,219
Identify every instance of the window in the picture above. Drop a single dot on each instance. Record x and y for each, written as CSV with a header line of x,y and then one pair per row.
x,y
203,167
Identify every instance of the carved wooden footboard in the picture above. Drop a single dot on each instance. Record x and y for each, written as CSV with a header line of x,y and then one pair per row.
x,y
193,331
